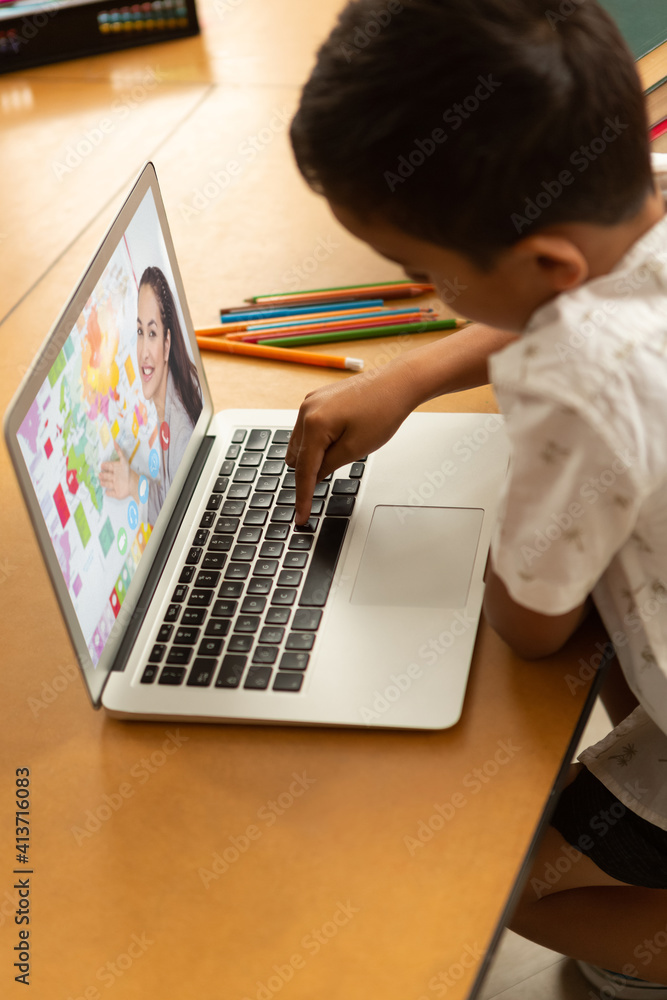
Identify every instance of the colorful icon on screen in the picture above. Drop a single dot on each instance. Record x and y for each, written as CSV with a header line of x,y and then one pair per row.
x,y
121,540
154,463
132,514
143,489
164,435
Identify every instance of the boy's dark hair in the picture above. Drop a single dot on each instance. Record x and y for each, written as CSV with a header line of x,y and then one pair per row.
x,y
471,123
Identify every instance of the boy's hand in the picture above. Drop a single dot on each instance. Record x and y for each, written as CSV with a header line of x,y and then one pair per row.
x,y
340,423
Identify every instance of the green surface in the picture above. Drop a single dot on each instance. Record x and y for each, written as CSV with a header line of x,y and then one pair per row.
x,y
643,22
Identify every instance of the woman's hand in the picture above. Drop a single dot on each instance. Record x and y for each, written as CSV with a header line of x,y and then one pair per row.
x,y
117,478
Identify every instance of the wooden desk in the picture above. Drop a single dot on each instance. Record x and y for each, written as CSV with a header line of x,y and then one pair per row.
x,y
234,862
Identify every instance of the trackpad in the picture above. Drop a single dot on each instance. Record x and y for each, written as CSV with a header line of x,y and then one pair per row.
x,y
418,557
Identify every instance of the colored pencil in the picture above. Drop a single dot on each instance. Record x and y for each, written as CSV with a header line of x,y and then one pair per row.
x,y
252,312
312,319
280,354
253,336
389,289
365,334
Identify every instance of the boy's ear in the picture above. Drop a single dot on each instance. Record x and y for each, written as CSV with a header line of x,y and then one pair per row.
x,y
553,260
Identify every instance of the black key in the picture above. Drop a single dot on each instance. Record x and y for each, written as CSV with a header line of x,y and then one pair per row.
x,y
231,671
258,440
238,436
245,475
172,612
260,585
194,555
265,654
284,596
212,560
271,550
281,436
227,524
218,627
274,468
207,577
278,616
186,574
310,526
289,578
172,675
277,451
282,514
212,647
226,468
271,635
249,536
252,459
179,595
246,623
186,635
345,487
193,616
237,571
220,543
164,633
323,562
321,490
266,567
294,661
230,588
339,506
277,532
300,640
267,484
289,480
240,643
357,470
258,678
224,609
233,451
214,502
256,517
201,537
244,553
287,681
301,542
239,491
316,506
202,672
157,652
232,508
150,673
208,517
179,654
200,598
295,560
286,497
307,619
261,501
253,605
221,484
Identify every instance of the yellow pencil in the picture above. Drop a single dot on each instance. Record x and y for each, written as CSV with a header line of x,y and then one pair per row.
x,y
280,354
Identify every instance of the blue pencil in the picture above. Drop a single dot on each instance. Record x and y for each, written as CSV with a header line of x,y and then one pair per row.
x,y
243,313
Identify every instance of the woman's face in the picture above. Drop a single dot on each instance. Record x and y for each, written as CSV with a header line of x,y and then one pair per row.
x,y
153,343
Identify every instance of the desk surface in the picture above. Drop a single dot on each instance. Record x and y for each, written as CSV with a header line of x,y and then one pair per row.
x,y
234,862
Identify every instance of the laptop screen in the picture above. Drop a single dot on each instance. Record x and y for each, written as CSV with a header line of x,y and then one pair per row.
x,y
109,425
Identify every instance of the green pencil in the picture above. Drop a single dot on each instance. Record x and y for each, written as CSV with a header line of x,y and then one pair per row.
x,y
365,333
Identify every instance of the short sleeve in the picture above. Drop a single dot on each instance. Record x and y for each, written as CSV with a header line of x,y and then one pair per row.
x,y
570,503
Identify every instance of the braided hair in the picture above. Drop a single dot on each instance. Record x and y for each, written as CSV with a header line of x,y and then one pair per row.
x,y
183,370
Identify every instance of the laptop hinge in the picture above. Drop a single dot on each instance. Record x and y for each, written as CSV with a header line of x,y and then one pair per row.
x,y
138,616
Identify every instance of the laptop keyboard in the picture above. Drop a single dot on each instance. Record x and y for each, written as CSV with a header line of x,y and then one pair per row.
x,y
249,601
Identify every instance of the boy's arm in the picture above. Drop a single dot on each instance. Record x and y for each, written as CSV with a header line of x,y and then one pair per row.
x,y
529,634
340,423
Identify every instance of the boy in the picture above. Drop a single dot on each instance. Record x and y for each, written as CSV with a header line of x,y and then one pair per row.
x,y
498,148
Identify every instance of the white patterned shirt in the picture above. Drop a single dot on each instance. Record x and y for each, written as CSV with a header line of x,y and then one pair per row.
x,y
584,511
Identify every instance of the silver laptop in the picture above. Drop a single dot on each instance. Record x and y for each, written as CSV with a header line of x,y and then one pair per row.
x,y
168,531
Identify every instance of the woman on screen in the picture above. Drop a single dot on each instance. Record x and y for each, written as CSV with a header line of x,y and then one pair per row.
x,y
168,378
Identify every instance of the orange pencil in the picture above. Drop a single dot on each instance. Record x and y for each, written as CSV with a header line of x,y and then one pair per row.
x,y
280,354
251,336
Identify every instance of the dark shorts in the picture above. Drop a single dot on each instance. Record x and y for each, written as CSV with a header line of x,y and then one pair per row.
x,y
589,817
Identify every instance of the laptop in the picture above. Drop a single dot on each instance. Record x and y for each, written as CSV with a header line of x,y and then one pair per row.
x,y
168,530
